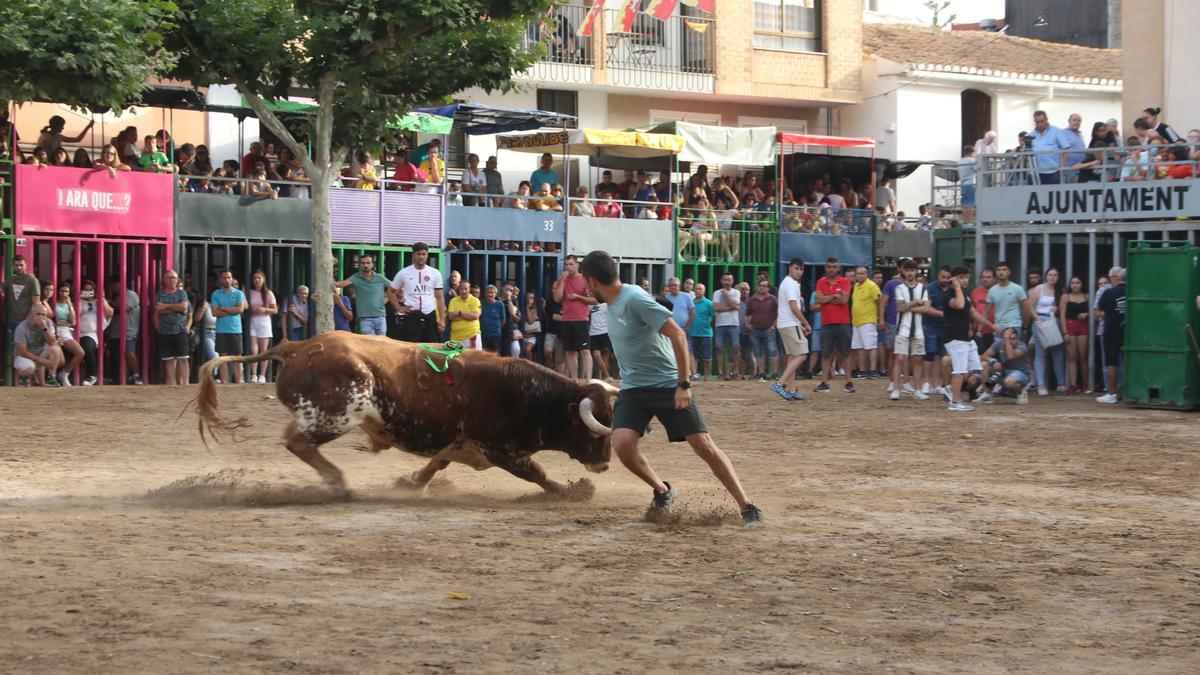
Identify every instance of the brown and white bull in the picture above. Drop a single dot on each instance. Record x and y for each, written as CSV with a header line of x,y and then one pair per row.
x,y
484,411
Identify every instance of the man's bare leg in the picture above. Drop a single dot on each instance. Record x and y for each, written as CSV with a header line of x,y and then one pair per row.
x,y
702,443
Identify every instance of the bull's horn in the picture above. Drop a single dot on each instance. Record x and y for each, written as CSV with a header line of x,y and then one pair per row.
x,y
589,418
612,391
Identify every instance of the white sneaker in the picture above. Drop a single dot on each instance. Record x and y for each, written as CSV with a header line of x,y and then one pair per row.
x,y
1108,399
891,386
1062,389
908,388
1042,390
1023,398
64,379
960,407
702,258
90,381
920,396
984,398
895,395
262,379
925,388
945,391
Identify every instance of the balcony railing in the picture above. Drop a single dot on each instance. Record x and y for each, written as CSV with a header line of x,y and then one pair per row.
x,y
677,54
1102,184
567,56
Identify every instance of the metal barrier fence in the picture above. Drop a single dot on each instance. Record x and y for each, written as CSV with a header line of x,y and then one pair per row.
x,y
1157,161
828,220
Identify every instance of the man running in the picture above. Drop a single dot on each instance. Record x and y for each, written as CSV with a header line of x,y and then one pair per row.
x,y
652,353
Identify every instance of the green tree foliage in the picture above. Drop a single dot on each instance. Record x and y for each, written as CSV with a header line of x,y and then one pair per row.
x,y
96,54
363,61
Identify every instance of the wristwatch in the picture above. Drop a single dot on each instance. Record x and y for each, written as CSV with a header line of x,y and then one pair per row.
x,y
683,384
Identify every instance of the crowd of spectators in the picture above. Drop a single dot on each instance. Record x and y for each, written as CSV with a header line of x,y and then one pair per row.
x,y
1153,150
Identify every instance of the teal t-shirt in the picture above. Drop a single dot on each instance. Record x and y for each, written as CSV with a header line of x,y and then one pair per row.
x,y
645,355
702,326
1007,301
232,298
369,294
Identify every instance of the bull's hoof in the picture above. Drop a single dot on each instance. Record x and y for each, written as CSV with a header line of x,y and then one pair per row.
x,y
409,484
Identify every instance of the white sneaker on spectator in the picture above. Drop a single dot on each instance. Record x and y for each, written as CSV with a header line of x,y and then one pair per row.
x,y
945,391
960,407
89,381
1042,390
891,386
64,379
1023,398
1108,399
1062,389
908,388
920,395
895,395
925,388
985,397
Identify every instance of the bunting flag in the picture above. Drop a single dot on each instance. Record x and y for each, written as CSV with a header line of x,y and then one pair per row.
x,y
546,17
589,20
661,9
698,26
702,5
628,15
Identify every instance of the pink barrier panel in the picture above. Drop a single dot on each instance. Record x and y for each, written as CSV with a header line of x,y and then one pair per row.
x,y
88,201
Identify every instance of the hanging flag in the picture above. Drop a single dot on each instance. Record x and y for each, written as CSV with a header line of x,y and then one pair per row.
x,y
698,26
702,5
589,20
546,17
628,15
661,9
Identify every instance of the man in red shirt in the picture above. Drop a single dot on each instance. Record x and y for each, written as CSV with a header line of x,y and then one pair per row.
x,y
983,333
572,291
833,297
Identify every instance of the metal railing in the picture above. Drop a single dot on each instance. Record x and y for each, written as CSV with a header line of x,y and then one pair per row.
x,y
676,54
564,51
1089,165
746,237
827,220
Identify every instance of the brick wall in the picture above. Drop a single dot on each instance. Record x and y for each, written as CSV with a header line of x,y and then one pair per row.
x,y
833,76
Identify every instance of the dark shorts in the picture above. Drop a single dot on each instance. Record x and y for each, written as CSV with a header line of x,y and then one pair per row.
x,y
934,347
422,327
229,344
983,341
636,407
1112,350
573,335
600,343
701,347
494,344
836,338
177,346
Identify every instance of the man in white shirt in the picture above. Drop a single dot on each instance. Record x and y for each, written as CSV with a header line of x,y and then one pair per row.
x,y
885,197
422,286
726,301
792,328
912,303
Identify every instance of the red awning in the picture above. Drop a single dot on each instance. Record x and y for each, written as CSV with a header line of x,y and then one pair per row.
x,y
832,141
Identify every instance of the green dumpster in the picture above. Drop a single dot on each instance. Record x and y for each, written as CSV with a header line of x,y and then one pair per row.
x,y
1161,368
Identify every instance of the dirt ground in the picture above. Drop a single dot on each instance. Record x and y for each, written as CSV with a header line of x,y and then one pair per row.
x,y
1060,536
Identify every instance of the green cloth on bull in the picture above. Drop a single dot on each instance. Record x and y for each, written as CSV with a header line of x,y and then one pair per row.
x,y
450,350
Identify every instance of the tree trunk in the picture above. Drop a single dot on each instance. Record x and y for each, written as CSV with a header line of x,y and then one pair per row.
x,y
322,253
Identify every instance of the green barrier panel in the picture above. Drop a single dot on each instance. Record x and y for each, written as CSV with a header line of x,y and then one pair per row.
x,y
1161,368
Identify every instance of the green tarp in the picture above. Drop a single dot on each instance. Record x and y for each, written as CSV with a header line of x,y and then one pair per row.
x,y
424,122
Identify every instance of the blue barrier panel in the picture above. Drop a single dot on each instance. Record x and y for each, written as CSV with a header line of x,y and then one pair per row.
x,y
505,224
814,249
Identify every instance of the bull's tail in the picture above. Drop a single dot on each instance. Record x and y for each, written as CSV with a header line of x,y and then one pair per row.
x,y
206,400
